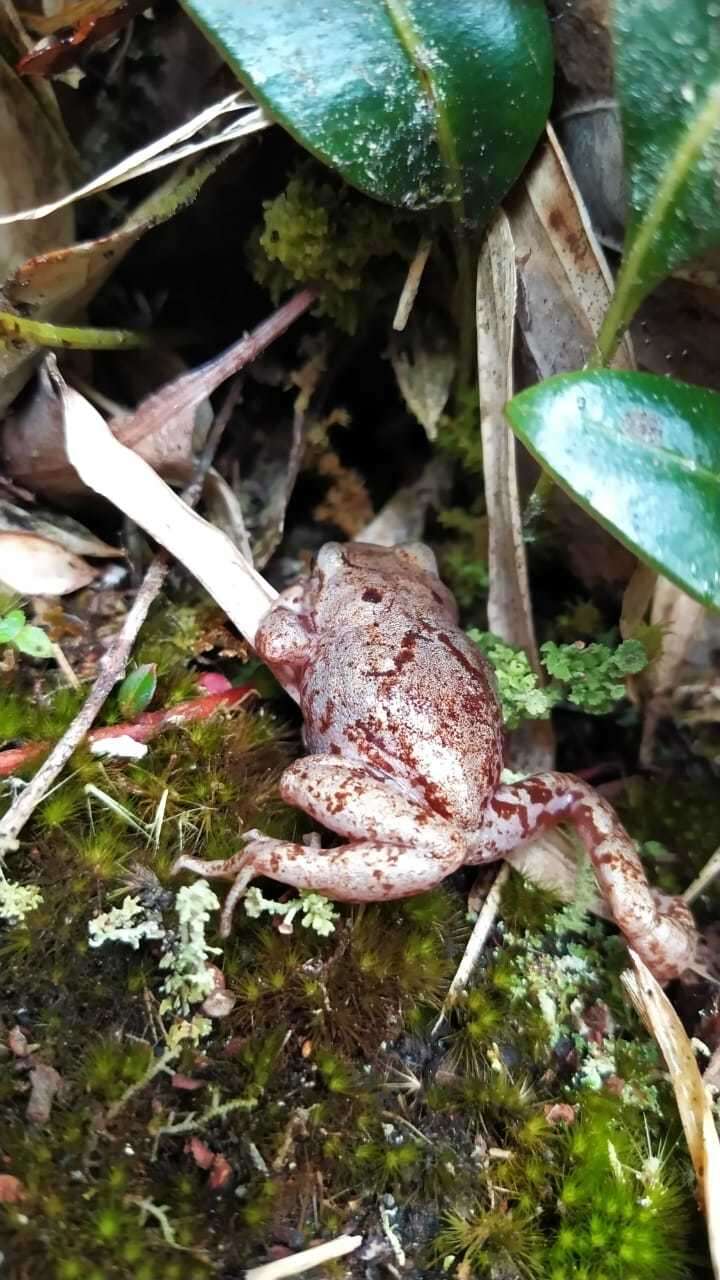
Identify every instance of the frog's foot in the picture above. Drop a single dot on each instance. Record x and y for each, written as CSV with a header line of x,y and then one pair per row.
x,y
242,867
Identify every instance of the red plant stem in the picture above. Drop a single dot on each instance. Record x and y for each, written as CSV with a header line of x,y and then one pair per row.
x,y
147,725
185,392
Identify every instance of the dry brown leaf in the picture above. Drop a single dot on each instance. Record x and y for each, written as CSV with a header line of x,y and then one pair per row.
x,y
565,282
225,512
636,598
62,529
45,1082
34,447
17,42
122,477
163,151
682,621
551,862
403,517
34,167
55,285
424,363
35,566
591,137
691,1095
509,605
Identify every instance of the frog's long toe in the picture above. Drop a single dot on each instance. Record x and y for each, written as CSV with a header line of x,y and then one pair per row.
x,y
240,868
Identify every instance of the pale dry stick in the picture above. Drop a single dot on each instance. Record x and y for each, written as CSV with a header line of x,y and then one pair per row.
x,y
111,669
693,1098
156,154
410,288
114,662
703,879
65,667
509,605
297,1263
476,942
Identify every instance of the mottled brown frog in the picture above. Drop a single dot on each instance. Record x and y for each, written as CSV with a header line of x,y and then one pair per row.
x,y
404,737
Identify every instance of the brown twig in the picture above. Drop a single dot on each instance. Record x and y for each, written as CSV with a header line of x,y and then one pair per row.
x,y
111,669
186,392
145,727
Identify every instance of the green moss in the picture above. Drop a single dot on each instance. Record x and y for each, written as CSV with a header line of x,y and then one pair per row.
x,y
320,232
347,1097
459,434
112,1064
622,1211
500,1241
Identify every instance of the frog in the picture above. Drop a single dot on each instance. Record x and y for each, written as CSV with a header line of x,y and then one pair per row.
x,y
404,741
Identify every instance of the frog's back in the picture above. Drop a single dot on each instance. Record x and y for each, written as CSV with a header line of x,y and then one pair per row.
x,y
415,702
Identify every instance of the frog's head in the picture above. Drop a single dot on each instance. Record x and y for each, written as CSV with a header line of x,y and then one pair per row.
x,y
357,582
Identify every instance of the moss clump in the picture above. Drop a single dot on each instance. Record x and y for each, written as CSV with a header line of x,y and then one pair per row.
x,y
624,1213
459,434
321,1087
383,964
320,232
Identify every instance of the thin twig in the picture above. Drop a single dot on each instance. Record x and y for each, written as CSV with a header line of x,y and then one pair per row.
x,y
298,1263
412,284
113,664
111,669
142,729
709,873
476,942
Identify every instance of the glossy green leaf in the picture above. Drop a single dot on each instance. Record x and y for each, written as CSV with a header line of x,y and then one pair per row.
x,y
137,690
10,625
667,75
642,454
413,101
34,642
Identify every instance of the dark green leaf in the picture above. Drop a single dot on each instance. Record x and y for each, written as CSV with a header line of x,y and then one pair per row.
x,y
12,623
137,690
642,454
413,101
667,73
34,642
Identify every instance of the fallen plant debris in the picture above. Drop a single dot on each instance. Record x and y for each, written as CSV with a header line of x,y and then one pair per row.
x,y
399,235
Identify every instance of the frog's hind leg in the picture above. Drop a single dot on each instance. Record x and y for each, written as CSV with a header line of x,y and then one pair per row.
x,y
348,797
361,871
660,928
397,848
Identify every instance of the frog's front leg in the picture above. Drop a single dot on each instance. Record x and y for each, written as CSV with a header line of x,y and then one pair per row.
x,y
660,928
397,848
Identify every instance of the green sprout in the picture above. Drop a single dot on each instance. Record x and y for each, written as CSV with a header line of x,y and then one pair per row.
x,y
591,677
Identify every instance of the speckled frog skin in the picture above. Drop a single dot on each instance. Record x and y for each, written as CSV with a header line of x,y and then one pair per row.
x,y
404,737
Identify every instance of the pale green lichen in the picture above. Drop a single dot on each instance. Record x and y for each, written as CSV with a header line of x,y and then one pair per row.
x,y
190,978
128,923
17,900
186,950
318,913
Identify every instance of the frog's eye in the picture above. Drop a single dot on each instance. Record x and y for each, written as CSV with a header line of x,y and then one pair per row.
x,y
329,559
420,555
